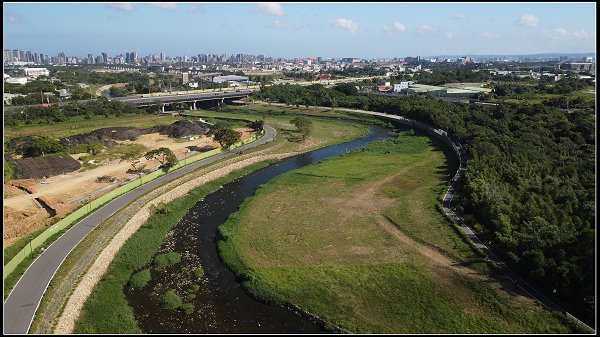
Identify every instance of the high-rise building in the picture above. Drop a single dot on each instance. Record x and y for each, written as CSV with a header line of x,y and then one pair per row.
x,y
15,53
21,55
62,58
104,58
7,56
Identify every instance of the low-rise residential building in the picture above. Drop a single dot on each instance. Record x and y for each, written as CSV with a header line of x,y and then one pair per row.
x,y
64,94
35,72
17,80
400,86
8,97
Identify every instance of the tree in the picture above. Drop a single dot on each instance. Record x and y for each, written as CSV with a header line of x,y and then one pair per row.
x,y
227,137
164,155
42,146
346,89
134,160
304,126
94,148
257,125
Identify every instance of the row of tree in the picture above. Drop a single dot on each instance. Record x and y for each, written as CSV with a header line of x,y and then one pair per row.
x,y
55,114
530,184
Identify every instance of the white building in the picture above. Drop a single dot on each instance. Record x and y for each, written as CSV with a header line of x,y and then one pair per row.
x,y
230,78
401,86
17,80
35,72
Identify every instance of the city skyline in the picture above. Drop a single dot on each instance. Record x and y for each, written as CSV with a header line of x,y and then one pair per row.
x,y
289,30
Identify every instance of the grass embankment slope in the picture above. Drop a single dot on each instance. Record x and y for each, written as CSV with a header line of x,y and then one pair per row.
x,y
106,310
351,239
78,125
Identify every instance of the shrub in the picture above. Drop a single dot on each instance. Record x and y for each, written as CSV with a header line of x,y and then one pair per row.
x,y
170,300
199,272
194,288
168,259
160,208
188,308
140,279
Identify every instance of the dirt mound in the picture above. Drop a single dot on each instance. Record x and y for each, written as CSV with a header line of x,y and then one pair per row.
x,y
86,138
205,148
19,144
120,133
183,128
106,136
40,167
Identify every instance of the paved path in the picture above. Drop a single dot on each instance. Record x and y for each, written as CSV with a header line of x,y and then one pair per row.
x,y
23,301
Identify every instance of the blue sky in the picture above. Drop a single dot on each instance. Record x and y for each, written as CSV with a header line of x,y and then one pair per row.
x,y
301,29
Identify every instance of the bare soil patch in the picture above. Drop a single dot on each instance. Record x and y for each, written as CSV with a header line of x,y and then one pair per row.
x,y
64,190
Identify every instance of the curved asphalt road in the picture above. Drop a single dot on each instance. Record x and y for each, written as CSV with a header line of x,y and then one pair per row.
x,y
23,301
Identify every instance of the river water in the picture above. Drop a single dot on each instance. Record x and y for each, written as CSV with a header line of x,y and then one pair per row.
x,y
221,304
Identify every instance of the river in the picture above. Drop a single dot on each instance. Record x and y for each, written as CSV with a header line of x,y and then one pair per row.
x,y
221,304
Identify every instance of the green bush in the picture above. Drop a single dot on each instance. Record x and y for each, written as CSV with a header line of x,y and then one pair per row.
x,y
170,300
194,288
199,272
140,279
188,308
160,208
168,259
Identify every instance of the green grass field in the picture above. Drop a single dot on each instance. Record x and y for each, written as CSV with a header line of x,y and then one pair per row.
x,y
353,240
106,310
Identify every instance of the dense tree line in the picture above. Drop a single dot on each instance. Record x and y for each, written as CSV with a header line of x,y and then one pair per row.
x,y
55,114
529,188
438,77
73,76
33,87
357,72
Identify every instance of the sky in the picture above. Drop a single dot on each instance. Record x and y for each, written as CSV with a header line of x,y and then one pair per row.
x,y
366,30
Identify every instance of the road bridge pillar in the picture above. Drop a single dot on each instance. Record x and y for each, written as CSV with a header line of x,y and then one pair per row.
x,y
163,108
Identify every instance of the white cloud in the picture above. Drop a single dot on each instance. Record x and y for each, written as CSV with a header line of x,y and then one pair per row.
x,y
195,9
270,8
281,25
395,27
123,6
581,34
528,20
164,5
450,35
459,17
563,33
426,29
347,24
14,17
490,35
